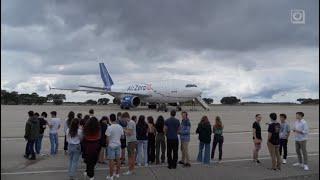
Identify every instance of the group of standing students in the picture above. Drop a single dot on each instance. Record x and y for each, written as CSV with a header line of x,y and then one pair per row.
x,y
147,142
277,139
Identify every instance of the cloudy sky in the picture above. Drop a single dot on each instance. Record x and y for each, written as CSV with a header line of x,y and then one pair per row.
x,y
248,48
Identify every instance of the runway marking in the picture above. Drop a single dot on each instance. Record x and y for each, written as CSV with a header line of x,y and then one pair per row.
x,y
152,166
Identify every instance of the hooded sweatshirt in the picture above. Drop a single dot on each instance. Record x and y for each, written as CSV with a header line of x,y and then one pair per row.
x,y
32,129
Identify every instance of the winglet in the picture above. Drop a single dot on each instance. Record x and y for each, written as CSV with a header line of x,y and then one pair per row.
x,y
105,76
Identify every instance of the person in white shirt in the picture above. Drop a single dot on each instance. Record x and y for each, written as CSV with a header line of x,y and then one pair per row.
x,y
54,125
114,133
74,136
301,131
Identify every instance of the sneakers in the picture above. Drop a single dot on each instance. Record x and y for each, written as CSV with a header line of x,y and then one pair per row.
x,y
139,164
257,161
187,165
296,164
127,173
116,175
180,162
109,178
306,167
284,161
146,165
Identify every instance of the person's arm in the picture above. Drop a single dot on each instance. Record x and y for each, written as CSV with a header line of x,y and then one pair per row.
x,y
129,130
197,131
288,131
27,131
269,135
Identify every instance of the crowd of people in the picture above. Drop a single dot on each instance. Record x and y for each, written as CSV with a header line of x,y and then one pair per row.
x,y
148,141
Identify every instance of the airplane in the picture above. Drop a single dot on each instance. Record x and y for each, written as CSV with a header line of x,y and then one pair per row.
x,y
157,95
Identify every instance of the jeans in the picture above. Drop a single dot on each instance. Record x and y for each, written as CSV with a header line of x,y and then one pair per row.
x,y
151,147
65,145
283,145
172,152
39,144
74,154
54,143
30,148
218,139
204,158
160,143
302,146
143,146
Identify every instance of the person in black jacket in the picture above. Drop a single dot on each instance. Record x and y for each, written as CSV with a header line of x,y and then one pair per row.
x,y
204,130
32,129
43,124
104,123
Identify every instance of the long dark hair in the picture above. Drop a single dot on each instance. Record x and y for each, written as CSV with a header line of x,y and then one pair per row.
x,y
204,120
150,120
142,121
104,118
74,126
91,127
160,122
70,118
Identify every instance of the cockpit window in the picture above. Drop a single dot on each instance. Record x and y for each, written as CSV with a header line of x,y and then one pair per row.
x,y
191,85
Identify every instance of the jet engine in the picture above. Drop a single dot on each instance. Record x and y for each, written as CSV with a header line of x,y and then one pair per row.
x,y
128,102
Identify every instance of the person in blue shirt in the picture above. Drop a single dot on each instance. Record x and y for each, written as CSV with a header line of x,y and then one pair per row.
x,y
185,127
171,128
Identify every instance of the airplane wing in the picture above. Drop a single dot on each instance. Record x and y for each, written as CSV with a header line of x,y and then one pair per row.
x,y
92,87
102,92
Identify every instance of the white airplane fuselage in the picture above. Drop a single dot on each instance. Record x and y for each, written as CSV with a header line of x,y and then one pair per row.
x,y
171,91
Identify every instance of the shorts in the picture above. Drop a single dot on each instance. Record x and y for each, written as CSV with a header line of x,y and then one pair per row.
x,y
257,146
123,143
132,146
113,152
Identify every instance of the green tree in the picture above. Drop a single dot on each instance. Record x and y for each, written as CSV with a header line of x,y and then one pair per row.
x,y
208,100
103,101
57,99
230,100
91,102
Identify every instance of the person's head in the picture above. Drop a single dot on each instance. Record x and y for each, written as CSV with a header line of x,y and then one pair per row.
x,y
73,130
299,115
173,113
104,120
119,114
36,114
283,117
125,115
86,117
134,118
53,114
141,120
91,127
160,121
91,112
218,122
150,120
258,117
184,115
113,118
273,116
71,115
30,113
44,114
204,120
79,116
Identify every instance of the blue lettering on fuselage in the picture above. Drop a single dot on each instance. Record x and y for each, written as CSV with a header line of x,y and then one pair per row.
x,y
139,87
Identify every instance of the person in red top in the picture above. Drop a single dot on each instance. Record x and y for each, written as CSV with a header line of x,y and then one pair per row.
x,y
91,144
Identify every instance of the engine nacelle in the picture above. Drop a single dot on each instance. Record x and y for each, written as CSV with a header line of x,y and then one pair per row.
x,y
129,102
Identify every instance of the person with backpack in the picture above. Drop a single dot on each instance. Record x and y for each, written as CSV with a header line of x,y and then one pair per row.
x,y
274,142
32,129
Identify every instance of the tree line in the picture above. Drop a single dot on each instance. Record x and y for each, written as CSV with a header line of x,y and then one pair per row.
x,y
14,98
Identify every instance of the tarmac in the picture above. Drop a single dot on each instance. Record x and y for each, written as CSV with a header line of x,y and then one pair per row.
x,y
237,149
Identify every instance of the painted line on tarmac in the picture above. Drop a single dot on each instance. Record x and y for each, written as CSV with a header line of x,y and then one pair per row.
x,y
152,166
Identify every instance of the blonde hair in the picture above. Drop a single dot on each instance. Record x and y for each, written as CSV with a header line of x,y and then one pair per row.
x,y
218,123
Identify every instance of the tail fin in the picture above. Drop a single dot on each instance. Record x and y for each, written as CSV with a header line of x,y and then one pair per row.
x,y
105,76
